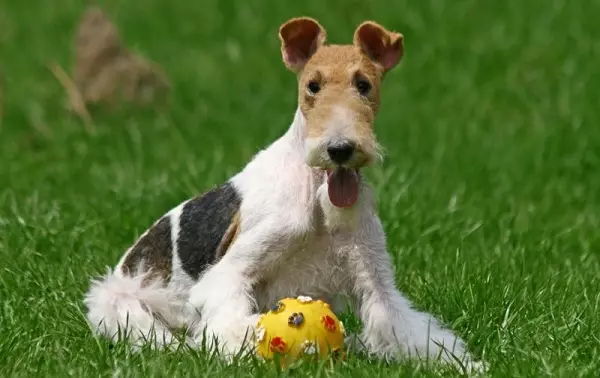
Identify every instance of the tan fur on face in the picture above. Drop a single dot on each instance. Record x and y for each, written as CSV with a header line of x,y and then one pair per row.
x,y
338,111
336,69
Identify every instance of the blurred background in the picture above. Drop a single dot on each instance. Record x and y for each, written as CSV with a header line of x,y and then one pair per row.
x,y
489,191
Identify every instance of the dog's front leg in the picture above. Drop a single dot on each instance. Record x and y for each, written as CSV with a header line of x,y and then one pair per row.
x,y
222,303
392,328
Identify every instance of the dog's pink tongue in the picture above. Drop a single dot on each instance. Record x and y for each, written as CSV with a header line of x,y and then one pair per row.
x,y
343,187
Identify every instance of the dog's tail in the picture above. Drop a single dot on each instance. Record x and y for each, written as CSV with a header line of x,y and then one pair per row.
x,y
128,307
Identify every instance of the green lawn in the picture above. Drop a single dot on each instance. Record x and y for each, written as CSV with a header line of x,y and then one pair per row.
x,y
490,191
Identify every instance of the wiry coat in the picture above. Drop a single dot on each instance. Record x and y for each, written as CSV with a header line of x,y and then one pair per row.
x,y
212,264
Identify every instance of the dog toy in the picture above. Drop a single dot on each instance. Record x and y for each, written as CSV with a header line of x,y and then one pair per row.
x,y
297,327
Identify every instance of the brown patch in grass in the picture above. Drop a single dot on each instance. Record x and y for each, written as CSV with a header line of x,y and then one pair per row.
x,y
106,72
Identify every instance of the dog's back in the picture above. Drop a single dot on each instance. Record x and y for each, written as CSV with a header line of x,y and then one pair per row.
x,y
148,287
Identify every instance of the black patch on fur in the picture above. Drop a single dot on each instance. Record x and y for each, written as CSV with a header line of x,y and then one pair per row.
x,y
152,252
203,225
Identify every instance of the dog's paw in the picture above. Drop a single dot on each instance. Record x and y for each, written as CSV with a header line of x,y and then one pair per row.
x,y
434,344
229,341
475,368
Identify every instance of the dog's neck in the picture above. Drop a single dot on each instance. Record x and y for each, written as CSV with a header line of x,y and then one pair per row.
x,y
296,133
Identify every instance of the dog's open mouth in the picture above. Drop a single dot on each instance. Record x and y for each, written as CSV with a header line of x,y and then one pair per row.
x,y
342,186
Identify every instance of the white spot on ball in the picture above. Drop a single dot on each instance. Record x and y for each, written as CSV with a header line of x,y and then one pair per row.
x,y
342,328
304,299
309,347
260,334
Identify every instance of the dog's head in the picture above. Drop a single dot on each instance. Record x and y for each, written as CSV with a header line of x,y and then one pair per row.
x,y
339,92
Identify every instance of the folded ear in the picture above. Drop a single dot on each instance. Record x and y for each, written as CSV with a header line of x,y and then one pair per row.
x,y
382,46
300,39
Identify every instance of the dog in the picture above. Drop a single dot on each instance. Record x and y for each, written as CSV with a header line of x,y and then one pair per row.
x,y
299,218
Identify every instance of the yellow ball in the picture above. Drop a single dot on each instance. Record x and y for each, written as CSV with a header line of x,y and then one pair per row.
x,y
296,327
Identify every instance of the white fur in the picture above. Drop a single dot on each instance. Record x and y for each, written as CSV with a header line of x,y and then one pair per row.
x,y
180,280
293,242
115,310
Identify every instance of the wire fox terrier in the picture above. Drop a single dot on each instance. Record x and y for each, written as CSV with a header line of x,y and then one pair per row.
x,y
297,219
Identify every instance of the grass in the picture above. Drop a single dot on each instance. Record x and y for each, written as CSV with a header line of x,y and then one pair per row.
x,y
489,192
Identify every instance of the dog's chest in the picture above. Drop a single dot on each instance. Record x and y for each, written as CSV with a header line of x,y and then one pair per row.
x,y
313,269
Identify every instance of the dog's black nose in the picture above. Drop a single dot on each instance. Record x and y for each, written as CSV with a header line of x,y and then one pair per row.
x,y
340,152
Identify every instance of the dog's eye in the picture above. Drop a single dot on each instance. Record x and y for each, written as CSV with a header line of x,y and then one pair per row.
x,y
313,87
363,86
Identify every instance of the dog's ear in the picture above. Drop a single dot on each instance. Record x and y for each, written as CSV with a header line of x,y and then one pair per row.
x,y
380,45
300,38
